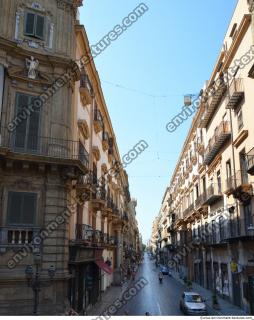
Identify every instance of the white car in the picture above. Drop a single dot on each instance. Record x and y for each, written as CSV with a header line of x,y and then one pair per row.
x,y
191,303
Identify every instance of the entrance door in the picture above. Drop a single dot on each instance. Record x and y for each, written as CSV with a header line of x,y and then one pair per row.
x,y
236,289
209,281
251,290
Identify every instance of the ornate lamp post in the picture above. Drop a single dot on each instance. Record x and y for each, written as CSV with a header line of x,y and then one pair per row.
x,y
33,280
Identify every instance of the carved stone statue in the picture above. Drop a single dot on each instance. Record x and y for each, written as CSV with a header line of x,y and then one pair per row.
x,y
32,66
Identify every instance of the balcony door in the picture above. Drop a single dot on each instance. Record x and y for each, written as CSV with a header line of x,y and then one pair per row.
x,y
26,136
244,167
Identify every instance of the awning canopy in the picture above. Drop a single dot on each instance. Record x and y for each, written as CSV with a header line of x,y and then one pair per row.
x,y
102,265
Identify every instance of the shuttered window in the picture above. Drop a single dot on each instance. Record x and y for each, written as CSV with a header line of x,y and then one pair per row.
x,y
27,132
21,208
34,25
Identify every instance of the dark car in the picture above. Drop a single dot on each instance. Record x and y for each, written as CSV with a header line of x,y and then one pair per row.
x,y
165,270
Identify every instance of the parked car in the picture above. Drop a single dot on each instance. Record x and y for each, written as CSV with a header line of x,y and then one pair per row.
x,y
165,270
191,303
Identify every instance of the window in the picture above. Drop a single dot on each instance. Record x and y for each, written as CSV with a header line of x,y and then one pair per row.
x,y
240,119
197,191
34,25
27,132
219,181
21,208
229,170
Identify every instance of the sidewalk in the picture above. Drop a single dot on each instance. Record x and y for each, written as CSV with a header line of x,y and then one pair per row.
x,y
107,298
226,308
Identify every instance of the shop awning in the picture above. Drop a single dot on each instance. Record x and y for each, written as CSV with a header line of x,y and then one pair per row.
x,y
102,265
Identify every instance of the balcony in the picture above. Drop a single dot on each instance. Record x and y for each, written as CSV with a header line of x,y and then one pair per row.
x,y
229,231
239,186
44,149
236,93
221,135
99,197
213,194
109,204
200,147
189,210
86,90
250,162
213,101
98,121
105,141
200,201
194,159
17,235
86,235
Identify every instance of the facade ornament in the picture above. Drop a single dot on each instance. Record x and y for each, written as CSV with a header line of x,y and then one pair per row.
x,y
32,66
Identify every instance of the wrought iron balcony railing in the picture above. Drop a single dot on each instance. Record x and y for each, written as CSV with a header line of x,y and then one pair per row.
x,y
86,89
219,88
213,194
43,146
221,134
236,93
239,180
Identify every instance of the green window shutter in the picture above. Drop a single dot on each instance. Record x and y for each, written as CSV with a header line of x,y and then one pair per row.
x,y
21,208
22,101
29,208
30,22
39,29
14,209
33,130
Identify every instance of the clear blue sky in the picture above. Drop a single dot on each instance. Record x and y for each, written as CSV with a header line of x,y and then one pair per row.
x,y
170,51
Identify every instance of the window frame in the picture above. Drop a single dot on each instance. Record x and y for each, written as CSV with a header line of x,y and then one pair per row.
x,y
239,119
28,122
35,35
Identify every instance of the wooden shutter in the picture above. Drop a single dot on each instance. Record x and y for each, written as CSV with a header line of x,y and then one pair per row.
x,y
33,130
14,211
30,22
39,28
29,208
22,101
21,208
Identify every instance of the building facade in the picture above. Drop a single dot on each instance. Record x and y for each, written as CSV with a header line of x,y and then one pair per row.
x,y
64,197
209,200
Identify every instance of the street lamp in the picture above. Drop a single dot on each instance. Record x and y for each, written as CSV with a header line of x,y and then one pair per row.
x,y
34,282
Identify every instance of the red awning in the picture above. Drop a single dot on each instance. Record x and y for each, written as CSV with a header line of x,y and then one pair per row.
x,y
101,264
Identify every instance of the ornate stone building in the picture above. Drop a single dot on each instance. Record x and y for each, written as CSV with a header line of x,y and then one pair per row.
x,y
62,206
209,200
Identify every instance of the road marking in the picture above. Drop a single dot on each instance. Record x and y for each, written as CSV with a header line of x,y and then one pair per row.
x,y
159,308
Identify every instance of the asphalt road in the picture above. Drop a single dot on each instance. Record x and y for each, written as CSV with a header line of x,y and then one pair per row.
x,y
155,298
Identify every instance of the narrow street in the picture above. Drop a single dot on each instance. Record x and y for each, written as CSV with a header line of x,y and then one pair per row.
x,y
155,298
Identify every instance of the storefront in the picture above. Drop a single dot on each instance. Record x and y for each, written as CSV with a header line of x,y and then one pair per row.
x,y
224,280
85,281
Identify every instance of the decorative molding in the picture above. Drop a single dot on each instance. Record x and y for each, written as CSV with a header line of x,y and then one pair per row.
x,y
84,129
96,153
32,65
241,137
18,13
